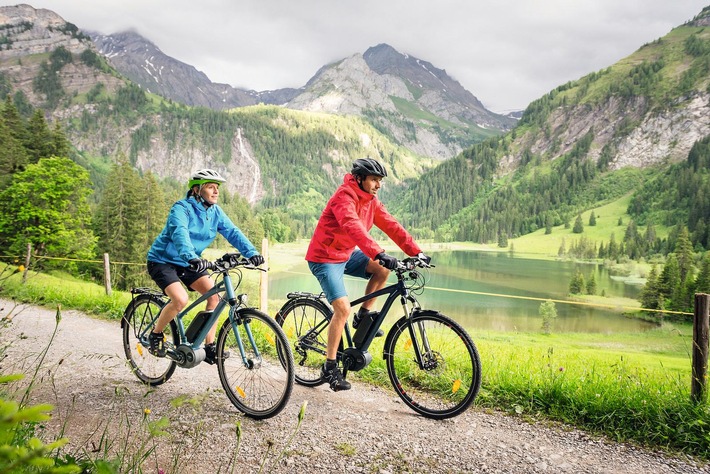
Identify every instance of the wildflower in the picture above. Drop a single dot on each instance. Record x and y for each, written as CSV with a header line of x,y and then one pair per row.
x,y
562,369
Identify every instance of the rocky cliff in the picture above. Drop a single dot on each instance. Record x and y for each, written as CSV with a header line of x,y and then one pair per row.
x,y
146,65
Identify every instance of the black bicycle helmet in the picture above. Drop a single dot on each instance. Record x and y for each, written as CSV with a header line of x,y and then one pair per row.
x,y
368,167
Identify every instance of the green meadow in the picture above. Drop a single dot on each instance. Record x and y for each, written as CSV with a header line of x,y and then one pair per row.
x,y
631,387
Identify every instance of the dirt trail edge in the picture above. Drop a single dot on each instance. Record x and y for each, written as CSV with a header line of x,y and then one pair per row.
x,y
85,377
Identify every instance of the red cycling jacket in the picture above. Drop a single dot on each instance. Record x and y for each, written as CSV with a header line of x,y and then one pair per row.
x,y
346,221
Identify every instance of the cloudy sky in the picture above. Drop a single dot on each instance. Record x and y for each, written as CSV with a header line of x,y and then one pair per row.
x,y
506,52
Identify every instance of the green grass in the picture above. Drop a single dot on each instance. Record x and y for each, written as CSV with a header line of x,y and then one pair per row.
x,y
628,387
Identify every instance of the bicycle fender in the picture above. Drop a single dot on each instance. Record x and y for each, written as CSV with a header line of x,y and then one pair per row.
x,y
298,300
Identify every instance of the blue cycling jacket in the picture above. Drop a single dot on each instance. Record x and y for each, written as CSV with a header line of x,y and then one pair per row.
x,y
190,229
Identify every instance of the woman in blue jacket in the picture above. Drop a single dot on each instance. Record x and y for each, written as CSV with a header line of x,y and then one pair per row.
x,y
175,256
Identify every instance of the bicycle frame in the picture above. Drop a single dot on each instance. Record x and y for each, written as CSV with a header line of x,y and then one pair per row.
x,y
394,291
229,298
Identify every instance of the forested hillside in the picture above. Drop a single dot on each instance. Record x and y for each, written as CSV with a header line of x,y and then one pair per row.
x,y
586,143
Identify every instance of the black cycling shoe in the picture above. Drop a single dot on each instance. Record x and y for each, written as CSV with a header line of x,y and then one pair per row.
x,y
334,377
157,344
211,354
372,314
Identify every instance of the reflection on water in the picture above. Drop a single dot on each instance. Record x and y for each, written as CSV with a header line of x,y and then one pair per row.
x,y
458,273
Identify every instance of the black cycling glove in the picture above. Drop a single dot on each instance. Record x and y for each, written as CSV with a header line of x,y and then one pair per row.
x,y
256,260
199,265
387,261
424,258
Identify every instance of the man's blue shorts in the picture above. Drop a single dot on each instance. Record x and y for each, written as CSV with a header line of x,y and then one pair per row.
x,y
330,275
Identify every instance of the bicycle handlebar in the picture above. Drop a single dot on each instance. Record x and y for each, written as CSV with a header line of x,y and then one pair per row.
x,y
410,263
229,261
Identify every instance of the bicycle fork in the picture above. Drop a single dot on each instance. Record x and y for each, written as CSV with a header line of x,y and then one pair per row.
x,y
420,340
235,321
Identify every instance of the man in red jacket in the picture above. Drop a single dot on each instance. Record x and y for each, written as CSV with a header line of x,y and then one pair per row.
x,y
345,224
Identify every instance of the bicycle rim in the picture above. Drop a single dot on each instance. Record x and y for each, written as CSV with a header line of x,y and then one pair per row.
x,y
138,320
258,381
298,318
451,378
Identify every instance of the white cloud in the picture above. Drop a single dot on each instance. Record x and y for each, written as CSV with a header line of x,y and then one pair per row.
x,y
506,52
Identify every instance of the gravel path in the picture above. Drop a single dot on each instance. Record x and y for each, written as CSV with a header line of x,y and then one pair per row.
x,y
366,429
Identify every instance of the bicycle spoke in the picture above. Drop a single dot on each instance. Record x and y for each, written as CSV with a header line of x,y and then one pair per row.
x,y
258,380
305,323
137,323
436,373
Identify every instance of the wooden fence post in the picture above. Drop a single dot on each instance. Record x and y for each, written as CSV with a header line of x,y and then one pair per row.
x,y
107,274
27,262
701,328
264,278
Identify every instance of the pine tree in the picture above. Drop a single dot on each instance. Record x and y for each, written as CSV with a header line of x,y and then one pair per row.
x,y
684,253
702,283
39,141
650,296
577,285
592,285
502,240
127,220
578,225
669,281
592,219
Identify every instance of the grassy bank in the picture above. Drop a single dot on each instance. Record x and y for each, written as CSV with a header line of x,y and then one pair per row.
x,y
629,387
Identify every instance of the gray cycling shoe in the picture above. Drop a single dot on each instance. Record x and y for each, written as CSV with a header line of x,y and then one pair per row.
x,y
334,377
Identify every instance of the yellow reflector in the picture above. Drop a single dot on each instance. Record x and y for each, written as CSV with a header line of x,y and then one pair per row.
x,y
270,338
408,345
241,392
457,385
139,348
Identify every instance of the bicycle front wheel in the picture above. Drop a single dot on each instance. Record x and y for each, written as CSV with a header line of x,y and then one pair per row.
x,y
137,323
445,378
305,322
258,372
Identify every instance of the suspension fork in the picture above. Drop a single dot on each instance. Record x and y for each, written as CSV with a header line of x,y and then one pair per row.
x,y
235,320
420,341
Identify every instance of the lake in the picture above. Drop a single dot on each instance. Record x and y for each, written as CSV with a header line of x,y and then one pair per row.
x,y
454,288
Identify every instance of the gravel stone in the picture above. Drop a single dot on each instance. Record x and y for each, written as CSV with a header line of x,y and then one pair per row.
x,y
363,430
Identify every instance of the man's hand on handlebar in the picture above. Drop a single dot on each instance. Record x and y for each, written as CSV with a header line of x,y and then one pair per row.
x,y
426,259
387,261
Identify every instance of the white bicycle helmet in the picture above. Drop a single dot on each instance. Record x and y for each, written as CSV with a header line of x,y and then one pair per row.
x,y
205,176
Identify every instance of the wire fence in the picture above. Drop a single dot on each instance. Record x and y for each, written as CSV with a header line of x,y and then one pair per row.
x,y
106,265
701,315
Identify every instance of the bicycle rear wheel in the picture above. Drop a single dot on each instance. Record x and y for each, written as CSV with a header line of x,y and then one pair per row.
x,y
305,323
259,380
449,378
137,323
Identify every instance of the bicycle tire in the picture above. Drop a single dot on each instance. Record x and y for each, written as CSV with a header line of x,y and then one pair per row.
x,y
140,313
297,317
261,386
452,379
